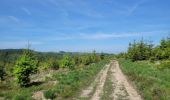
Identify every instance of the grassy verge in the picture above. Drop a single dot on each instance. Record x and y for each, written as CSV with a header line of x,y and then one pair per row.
x,y
71,83
153,84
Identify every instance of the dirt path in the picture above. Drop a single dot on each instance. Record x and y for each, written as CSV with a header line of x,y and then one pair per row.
x,y
96,86
110,84
122,81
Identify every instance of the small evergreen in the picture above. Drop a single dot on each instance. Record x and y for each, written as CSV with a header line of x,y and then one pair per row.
x,y
24,67
67,62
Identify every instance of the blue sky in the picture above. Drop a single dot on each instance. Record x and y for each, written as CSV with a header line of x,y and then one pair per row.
x,y
82,25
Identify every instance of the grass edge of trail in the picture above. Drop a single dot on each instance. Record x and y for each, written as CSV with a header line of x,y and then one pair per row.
x,y
70,84
108,86
151,83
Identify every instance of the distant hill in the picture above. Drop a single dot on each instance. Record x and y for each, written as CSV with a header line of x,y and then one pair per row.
x,y
11,55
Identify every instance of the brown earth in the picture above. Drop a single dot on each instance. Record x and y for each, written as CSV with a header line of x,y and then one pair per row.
x,y
122,89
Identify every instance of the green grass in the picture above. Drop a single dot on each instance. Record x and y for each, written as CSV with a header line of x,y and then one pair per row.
x,y
108,87
152,83
49,94
69,84
72,82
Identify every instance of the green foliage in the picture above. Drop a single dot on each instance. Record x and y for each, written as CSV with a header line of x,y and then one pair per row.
x,y
139,51
163,51
145,51
154,84
24,67
22,96
53,64
95,58
49,61
49,94
8,58
70,83
86,59
43,66
77,59
102,56
67,62
19,97
152,59
164,64
91,58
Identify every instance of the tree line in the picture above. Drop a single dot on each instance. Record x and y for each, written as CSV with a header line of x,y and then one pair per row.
x,y
143,50
29,63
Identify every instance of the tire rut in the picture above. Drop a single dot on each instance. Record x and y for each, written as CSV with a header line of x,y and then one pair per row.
x,y
121,88
95,89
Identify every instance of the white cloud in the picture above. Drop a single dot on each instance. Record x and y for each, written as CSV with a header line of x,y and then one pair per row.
x,y
13,18
107,36
102,36
26,10
134,7
18,44
96,36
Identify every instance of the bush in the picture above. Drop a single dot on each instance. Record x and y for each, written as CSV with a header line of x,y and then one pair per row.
x,y
67,62
50,94
25,66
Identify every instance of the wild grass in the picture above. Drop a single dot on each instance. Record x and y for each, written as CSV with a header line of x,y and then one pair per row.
x,y
72,82
68,84
152,83
108,87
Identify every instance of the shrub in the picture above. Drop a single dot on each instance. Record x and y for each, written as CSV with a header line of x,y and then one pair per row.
x,y
67,62
25,66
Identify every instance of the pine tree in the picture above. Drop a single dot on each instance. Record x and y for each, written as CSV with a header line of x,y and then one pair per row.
x,y
67,62
25,66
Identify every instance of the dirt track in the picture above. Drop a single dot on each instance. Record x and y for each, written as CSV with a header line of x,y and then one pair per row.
x,y
119,89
